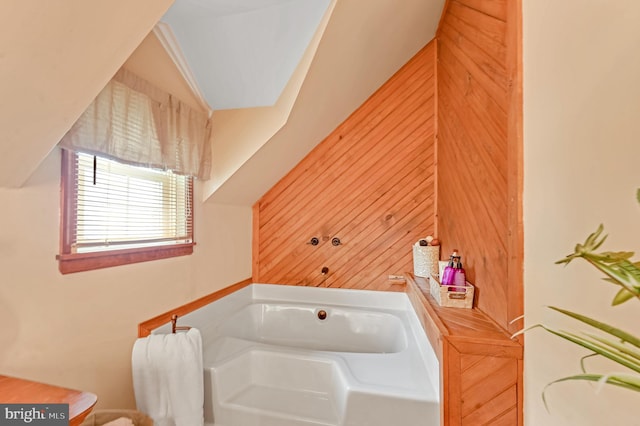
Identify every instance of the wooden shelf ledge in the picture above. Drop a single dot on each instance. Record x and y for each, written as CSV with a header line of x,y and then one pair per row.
x,y
459,326
480,365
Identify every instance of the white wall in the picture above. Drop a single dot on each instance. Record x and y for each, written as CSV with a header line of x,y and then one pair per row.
x,y
77,330
581,138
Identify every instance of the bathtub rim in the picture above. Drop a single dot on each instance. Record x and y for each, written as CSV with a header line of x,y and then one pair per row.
x,y
399,317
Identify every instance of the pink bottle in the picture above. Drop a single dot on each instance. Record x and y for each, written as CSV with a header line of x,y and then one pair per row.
x,y
449,272
459,278
454,275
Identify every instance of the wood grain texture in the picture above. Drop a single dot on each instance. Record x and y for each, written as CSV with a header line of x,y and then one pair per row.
x,y
14,390
78,262
480,149
479,181
459,325
480,365
515,153
370,183
255,243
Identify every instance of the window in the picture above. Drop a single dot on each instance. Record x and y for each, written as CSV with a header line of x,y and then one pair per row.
x,y
131,210
114,214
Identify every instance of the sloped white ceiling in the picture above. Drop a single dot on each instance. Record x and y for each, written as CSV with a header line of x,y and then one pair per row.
x,y
243,53
239,133
365,42
55,56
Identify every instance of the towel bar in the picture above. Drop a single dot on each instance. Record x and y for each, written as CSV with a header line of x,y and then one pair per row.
x,y
174,326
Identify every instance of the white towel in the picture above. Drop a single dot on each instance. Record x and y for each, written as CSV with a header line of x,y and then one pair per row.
x,y
168,378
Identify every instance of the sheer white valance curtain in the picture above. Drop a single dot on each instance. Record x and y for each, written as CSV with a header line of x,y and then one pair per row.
x,y
137,123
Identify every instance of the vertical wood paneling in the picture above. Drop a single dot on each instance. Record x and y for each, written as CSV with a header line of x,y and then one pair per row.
x,y
515,153
479,149
453,386
370,183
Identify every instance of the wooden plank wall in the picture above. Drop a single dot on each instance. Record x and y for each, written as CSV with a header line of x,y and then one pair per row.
x,y
480,149
370,183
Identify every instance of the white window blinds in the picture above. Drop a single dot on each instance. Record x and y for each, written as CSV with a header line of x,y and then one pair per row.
x,y
135,122
127,206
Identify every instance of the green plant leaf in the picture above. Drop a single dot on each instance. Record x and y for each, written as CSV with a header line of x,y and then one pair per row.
x,y
626,274
621,380
620,347
615,256
597,348
605,349
593,238
609,329
629,382
622,296
619,269
590,245
582,366
612,280
616,265
631,270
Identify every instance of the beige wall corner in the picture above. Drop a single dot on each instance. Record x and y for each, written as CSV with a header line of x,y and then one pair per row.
x,y
151,61
581,98
56,57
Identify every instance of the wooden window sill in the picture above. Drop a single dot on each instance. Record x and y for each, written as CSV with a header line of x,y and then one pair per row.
x,y
78,262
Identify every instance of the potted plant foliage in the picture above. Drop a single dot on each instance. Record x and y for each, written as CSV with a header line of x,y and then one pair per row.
x,y
601,339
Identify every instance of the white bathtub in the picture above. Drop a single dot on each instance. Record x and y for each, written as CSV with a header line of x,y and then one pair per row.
x,y
298,325
271,361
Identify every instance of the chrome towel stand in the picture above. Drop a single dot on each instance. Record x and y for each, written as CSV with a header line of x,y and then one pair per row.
x,y
174,326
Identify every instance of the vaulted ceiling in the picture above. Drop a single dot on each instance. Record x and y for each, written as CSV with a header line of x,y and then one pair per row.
x,y
364,43
320,60
242,53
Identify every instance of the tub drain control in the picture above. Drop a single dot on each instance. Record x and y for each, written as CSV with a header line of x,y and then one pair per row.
x,y
322,314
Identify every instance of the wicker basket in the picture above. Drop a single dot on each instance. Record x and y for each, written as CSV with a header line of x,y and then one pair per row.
x,y
460,298
425,260
100,417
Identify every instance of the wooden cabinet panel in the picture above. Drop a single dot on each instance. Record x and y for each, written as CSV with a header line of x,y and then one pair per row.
x,y
480,366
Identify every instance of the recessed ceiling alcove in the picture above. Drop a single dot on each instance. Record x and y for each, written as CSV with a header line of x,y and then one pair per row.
x,y
241,54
